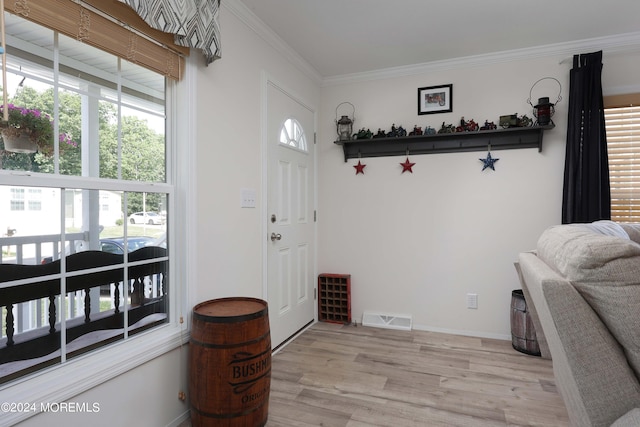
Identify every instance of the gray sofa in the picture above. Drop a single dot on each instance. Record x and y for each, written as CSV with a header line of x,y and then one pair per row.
x,y
582,288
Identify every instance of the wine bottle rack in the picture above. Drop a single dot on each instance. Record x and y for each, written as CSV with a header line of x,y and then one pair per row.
x,y
334,299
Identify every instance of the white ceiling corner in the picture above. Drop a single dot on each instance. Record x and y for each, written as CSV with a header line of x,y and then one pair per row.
x,y
337,41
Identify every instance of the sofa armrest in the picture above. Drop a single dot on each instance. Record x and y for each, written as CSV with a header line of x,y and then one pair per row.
x,y
591,370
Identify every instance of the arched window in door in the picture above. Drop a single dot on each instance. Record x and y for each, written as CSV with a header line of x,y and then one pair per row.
x,y
292,135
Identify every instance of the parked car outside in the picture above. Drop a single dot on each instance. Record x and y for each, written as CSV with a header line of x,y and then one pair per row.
x,y
151,218
116,246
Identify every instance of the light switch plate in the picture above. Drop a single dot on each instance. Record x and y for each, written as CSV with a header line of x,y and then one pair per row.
x,y
247,198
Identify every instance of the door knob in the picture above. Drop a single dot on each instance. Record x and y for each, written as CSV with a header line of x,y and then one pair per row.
x,y
275,237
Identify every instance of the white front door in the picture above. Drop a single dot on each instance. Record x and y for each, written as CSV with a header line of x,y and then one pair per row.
x,y
290,213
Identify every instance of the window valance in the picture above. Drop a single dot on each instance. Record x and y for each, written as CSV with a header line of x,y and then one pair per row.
x,y
156,34
194,23
109,25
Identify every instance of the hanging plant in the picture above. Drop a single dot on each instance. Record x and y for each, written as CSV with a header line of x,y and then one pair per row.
x,y
31,130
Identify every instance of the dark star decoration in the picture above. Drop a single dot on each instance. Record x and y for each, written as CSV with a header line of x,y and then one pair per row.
x,y
407,165
489,162
360,168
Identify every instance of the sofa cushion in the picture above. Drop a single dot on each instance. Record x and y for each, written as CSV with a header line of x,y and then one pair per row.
x,y
591,252
603,264
633,230
618,305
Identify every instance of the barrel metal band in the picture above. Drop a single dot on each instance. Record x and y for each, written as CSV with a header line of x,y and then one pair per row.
x,y
239,344
231,319
234,415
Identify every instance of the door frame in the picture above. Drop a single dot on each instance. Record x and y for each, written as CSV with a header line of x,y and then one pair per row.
x,y
267,80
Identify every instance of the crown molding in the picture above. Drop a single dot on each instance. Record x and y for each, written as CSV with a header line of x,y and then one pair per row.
x,y
612,45
240,11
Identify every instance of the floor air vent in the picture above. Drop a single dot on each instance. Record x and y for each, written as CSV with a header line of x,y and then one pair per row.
x,y
389,321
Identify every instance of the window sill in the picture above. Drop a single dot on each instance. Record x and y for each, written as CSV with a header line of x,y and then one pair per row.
x,y
62,382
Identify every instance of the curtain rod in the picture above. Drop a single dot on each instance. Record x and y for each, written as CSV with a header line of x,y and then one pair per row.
x,y
604,55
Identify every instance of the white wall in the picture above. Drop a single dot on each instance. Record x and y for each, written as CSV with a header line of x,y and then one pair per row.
x,y
230,158
145,396
418,243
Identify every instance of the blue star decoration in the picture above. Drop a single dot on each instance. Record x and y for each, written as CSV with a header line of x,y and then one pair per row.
x,y
489,162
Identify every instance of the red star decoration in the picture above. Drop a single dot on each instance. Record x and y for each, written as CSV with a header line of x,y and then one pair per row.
x,y
360,168
406,166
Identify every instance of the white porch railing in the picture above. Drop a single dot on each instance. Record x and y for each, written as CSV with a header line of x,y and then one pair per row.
x,y
33,249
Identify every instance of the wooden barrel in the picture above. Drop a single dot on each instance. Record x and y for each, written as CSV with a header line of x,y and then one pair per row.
x,y
523,333
230,363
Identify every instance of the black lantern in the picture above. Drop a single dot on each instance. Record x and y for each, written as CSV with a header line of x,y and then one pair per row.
x,y
344,126
544,110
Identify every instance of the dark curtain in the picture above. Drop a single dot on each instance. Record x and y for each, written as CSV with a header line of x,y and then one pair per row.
x,y
586,194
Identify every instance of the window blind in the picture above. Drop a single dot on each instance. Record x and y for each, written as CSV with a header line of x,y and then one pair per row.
x,y
110,26
622,120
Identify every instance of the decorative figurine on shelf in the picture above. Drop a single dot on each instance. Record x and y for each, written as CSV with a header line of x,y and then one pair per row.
x,y
380,134
470,126
488,125
363,134
447,128
429,131
397,131
416,131
524,121
514,120
508,121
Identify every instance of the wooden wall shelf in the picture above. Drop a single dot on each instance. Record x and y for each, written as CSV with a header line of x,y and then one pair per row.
x,y
500,139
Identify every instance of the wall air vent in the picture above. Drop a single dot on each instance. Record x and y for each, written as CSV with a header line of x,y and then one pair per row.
x,y
386,320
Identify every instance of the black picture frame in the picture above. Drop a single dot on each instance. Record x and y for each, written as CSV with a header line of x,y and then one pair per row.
x,y
435,99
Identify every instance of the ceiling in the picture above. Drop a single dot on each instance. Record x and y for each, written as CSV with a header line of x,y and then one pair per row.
x,y
340,37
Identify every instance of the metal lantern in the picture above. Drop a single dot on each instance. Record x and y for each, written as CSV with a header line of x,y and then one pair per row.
x,y
344,126
543,110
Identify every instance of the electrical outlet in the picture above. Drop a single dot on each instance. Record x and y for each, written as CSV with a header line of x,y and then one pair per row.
x,y
472,301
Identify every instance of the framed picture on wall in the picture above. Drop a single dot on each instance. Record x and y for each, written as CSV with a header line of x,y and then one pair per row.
x,y
435,99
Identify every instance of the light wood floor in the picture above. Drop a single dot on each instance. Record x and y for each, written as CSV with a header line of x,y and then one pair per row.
x,y
334,375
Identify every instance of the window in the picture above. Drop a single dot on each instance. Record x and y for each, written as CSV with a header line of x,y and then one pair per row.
x,y
292,135
622,118
17,199
70,203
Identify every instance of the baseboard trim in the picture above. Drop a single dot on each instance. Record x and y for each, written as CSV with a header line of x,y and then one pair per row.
x,y
477,334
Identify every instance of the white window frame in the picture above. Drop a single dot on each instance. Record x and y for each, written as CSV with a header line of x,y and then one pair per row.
x,y
59,383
